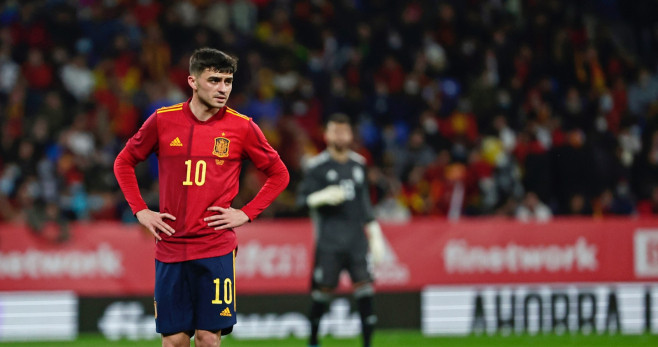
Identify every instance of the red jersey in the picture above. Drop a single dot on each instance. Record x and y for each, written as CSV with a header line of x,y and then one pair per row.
x,y
199,166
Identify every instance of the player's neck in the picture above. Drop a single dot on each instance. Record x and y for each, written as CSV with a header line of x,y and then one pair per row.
x,y
340,156
201,111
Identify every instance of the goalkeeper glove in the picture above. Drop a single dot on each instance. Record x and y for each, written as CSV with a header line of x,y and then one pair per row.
x,y
331,195
376,241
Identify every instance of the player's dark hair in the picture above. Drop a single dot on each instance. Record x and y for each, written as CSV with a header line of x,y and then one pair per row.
x,y
213,59
339,118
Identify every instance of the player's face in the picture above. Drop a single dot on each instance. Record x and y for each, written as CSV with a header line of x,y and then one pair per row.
x,y
211,87
338,136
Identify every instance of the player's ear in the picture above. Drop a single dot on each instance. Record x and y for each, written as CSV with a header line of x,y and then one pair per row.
x,y
326,136
191,80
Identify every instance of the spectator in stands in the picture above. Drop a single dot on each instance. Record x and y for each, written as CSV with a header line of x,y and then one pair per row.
x,y
532,209
649,206
559,97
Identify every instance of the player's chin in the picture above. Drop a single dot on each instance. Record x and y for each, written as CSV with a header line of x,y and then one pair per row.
x,y
218,103
341,147
215,102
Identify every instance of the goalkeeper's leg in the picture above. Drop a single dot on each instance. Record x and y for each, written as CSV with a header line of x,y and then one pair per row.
x,y
326,271
364,293
320,303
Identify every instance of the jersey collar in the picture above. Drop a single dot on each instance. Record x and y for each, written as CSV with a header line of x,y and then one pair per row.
x,y
217,116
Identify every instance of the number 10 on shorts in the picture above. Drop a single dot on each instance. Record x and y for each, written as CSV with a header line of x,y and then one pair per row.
x,y
228,291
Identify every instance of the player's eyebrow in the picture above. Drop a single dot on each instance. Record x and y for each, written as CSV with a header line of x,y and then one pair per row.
x,y
219,78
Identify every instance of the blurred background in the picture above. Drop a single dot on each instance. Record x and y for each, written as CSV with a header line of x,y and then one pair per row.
x,y
525,114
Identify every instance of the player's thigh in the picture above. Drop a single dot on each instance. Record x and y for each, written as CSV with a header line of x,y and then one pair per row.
x,y
360,266
214,282
173,302
327,267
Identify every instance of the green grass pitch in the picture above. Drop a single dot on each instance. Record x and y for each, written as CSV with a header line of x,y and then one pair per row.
x,y
388,339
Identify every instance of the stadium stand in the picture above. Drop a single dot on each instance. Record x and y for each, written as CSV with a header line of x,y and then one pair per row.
x,y
479,107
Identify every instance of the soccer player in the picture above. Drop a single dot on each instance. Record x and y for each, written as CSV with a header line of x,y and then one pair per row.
x,y
200,146
336,191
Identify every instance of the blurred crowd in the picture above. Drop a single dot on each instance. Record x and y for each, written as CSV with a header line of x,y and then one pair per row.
x,y
519,108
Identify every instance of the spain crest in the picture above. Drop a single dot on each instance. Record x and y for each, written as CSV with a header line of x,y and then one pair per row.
x,y
221,147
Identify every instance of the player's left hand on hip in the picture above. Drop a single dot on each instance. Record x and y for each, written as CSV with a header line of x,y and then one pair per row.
x,y
226,218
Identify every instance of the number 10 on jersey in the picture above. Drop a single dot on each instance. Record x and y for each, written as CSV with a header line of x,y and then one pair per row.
x,y
228,291
199,173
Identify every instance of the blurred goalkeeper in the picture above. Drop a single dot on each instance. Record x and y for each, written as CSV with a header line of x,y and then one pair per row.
x,y
336,191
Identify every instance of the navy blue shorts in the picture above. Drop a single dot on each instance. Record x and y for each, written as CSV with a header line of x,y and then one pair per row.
x,y
195,294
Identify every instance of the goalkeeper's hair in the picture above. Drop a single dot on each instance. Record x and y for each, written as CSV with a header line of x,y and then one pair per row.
x,y
212,59
339,118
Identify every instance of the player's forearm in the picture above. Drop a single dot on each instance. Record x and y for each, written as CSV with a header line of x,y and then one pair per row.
x,y
277,180
376,241
331,195
124,170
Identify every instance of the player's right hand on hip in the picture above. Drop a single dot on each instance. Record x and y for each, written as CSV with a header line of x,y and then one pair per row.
x,y
331,195
154,222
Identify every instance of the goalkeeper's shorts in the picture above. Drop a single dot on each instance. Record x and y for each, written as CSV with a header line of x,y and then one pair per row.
x,y
330,263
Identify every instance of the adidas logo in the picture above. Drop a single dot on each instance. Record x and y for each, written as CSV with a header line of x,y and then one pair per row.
x,y
176,143
226,313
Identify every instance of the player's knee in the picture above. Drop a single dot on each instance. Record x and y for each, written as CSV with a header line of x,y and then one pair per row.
x,y
176,340
204,338
323,296
175,343
364,290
